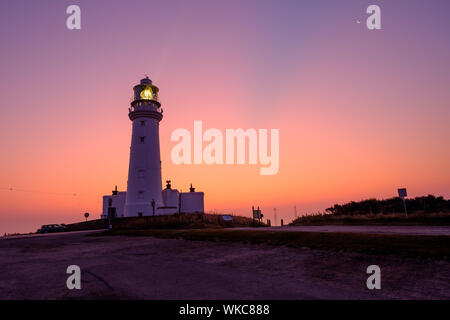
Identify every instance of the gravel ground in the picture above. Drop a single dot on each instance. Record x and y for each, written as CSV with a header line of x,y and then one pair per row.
x,y
118,267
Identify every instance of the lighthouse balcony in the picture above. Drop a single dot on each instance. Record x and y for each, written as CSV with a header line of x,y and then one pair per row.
x,y
145,106
145,110
142,103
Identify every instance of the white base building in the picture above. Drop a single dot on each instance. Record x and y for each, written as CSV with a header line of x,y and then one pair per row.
x,y
173,202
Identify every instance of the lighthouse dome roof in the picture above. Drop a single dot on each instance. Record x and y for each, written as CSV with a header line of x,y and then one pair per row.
x,y
146,80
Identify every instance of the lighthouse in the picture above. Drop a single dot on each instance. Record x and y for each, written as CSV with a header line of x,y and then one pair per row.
x,y
144,174
144,195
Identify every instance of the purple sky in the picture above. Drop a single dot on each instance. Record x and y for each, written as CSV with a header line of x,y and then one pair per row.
x,y
360,112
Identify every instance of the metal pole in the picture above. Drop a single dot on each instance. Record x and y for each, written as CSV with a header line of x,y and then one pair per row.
x,y
404,204
253,215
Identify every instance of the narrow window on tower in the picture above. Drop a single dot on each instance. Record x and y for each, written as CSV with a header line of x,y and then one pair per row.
x,y
141,173
142,139
140,194
142,123
140,214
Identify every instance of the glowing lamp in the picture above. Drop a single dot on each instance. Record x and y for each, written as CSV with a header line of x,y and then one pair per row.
x,y
147,93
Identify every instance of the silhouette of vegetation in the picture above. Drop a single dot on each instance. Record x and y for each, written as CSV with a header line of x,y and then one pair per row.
x,y
429,210
175,221
428,204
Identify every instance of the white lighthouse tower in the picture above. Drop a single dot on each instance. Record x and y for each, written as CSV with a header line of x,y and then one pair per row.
x,y
144,191
144,195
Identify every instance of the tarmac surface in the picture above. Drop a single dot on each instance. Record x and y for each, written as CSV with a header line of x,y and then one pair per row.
x,y
401,230
118,267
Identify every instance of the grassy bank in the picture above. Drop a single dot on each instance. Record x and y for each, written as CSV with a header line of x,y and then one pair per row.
x,y
175,221
392,219
435,247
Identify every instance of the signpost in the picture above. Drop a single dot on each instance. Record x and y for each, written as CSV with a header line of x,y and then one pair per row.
x,y
257,215
402,194
227,217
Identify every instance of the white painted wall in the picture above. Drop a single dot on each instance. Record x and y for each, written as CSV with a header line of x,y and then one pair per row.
x,y
118,202
144,175
170,197
192,202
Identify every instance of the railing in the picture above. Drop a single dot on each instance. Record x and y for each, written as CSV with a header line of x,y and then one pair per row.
x,y
145,107
154,98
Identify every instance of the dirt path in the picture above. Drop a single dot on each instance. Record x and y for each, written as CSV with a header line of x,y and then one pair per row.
x,y
149,268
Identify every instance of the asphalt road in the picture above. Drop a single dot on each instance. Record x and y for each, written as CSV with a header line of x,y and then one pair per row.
x,y
117,267
53,234
403,230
